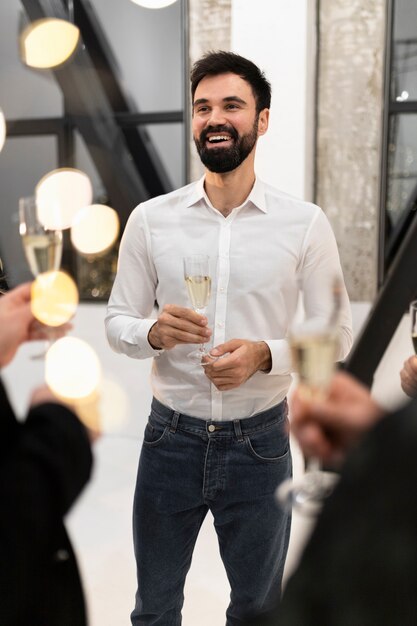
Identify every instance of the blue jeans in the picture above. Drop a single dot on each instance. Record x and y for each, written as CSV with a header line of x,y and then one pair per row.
x,y
188,466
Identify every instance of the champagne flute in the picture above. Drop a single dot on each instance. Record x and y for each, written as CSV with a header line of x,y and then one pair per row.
x,y
198,281
42,247
313,347
413,319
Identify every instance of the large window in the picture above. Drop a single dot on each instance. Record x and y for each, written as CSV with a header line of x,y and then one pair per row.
x,y
145,51
399,180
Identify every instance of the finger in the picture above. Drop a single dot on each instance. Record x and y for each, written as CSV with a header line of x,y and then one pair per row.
x,y
228,346
21,292
184,313
186,325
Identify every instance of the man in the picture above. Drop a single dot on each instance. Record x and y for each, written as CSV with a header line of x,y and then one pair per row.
x,y
45,462
217,435
360,564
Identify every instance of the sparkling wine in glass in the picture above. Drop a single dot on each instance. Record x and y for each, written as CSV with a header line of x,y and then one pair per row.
x,y
42,247
198,281
313,353
313,345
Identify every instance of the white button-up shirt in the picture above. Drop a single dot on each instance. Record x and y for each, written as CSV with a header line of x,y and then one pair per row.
x,y
262,256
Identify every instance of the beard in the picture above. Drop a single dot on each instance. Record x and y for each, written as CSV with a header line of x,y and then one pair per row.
x,y
221,160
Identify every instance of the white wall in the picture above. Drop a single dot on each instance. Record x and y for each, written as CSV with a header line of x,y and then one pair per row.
x,y
279,36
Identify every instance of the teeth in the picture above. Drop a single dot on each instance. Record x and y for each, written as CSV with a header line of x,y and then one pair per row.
x,y
218,138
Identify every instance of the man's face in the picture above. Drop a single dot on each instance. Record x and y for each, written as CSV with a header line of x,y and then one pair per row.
x,y
225,122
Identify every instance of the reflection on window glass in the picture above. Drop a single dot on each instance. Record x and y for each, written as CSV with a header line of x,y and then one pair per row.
x,y
147,46
402,166
404,51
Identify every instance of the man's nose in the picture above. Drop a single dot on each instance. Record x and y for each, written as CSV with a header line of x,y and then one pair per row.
x,y
217,117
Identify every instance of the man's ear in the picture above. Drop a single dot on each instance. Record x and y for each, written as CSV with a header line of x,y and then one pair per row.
x,y
263,122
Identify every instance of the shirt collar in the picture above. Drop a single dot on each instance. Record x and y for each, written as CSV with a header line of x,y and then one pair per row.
x,y
256,196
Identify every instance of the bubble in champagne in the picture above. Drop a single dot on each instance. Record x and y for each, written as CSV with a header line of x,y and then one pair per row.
x,y
54,298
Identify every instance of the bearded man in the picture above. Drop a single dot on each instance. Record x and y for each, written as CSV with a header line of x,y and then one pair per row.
x,y
217,435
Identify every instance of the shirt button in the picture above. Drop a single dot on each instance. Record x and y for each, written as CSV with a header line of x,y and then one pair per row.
x,y
219,324
212,428
221,289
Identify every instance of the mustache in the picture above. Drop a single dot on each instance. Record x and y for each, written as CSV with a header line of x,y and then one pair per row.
x,y
218,129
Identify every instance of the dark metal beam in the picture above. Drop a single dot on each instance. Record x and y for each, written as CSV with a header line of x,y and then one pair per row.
x,y
131,120
35,126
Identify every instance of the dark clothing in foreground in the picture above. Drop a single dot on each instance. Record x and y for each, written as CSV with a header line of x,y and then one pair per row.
x,y
360,566
44,464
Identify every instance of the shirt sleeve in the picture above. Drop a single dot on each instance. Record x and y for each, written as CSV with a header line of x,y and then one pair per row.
x,y
318,270
319,266
129,312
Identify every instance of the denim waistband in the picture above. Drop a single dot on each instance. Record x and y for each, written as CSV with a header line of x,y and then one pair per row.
x,y
237,426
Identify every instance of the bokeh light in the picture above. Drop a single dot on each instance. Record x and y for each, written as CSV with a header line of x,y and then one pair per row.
x,y
2,130
48,42
72,369
95,229
154,4
54,298
60,194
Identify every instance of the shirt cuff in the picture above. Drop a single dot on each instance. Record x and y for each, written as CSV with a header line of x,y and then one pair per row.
x,y
133,340
280,357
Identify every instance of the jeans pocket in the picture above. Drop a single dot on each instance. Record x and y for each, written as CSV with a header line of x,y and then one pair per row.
x,y
271,444
154,434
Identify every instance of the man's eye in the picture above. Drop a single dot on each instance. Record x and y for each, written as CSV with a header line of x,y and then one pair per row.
x,y
202,109
232,106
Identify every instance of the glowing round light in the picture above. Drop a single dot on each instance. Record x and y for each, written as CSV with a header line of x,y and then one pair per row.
x,y
54,298
72,369
154,4
60,194
95,229
2,130
48,42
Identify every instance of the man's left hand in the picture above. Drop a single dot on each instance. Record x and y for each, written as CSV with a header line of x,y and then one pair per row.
x,y
236,361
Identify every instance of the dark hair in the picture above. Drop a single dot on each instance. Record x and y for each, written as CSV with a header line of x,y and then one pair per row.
x,y
221,62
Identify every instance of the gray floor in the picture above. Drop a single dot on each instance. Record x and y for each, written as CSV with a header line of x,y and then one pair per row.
x,y
100,523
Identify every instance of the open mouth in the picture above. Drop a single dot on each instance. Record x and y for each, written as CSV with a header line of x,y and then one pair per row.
x,y
219,139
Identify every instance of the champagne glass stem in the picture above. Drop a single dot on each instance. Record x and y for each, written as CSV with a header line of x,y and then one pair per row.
x,y
313,464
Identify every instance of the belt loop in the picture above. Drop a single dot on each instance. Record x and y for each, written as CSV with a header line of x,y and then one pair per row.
x,y
174,423
238,430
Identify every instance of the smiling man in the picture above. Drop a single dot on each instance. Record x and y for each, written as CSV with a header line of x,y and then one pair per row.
x,y
217,436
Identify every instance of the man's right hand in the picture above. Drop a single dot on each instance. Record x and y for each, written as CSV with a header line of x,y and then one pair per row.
x,y
178,325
